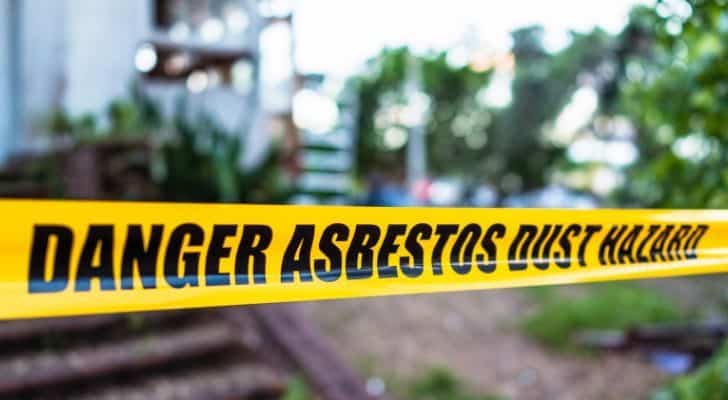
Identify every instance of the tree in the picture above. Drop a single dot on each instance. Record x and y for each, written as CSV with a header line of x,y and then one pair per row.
x,y
543,84
676,92
383,101
502,145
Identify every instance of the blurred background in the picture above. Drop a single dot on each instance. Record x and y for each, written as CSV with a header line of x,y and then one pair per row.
x,y
565,103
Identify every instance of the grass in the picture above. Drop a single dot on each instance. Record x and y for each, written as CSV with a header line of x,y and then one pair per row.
x,y
602,306
441,384
297,390
709,382
437,384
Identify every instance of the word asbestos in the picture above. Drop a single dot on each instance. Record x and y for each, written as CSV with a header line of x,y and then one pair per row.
x,y
188,255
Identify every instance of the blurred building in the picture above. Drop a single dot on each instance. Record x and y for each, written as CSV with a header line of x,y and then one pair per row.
x,y
232,58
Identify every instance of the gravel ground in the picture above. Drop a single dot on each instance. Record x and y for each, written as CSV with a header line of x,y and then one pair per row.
x,y
475,335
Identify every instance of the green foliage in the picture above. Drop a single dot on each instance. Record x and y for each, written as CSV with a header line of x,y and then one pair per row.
x,y
603,306
675,91
441,384
543,84
450,90
297,390
466,135
200,163
82,128
60,122
710,382
135,116
203,164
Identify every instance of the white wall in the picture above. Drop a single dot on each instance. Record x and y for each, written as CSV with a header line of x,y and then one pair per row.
x,y
101,39
4,79
9,111
79,55
43,44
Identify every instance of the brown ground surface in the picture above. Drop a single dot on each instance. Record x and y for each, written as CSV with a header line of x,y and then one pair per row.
x,y
475,334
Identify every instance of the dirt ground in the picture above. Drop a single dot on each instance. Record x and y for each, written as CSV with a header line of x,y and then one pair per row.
x,y
476,335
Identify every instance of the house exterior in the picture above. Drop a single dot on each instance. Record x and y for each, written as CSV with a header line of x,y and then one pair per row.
x,y
79,55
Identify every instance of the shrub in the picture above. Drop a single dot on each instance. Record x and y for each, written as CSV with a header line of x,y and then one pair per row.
x,y
604,306
441,384
710,382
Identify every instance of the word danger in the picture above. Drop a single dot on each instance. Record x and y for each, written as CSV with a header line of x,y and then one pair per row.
x,y
180,257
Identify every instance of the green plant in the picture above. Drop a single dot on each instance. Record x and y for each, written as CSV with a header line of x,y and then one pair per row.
x,y
83,127
200,163
674,90
297,390
203,164
466,134
134,116
450,91
602,306
710,382
441,384
59,122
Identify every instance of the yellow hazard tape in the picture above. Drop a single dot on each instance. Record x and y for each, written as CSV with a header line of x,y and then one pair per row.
x,y
86,257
